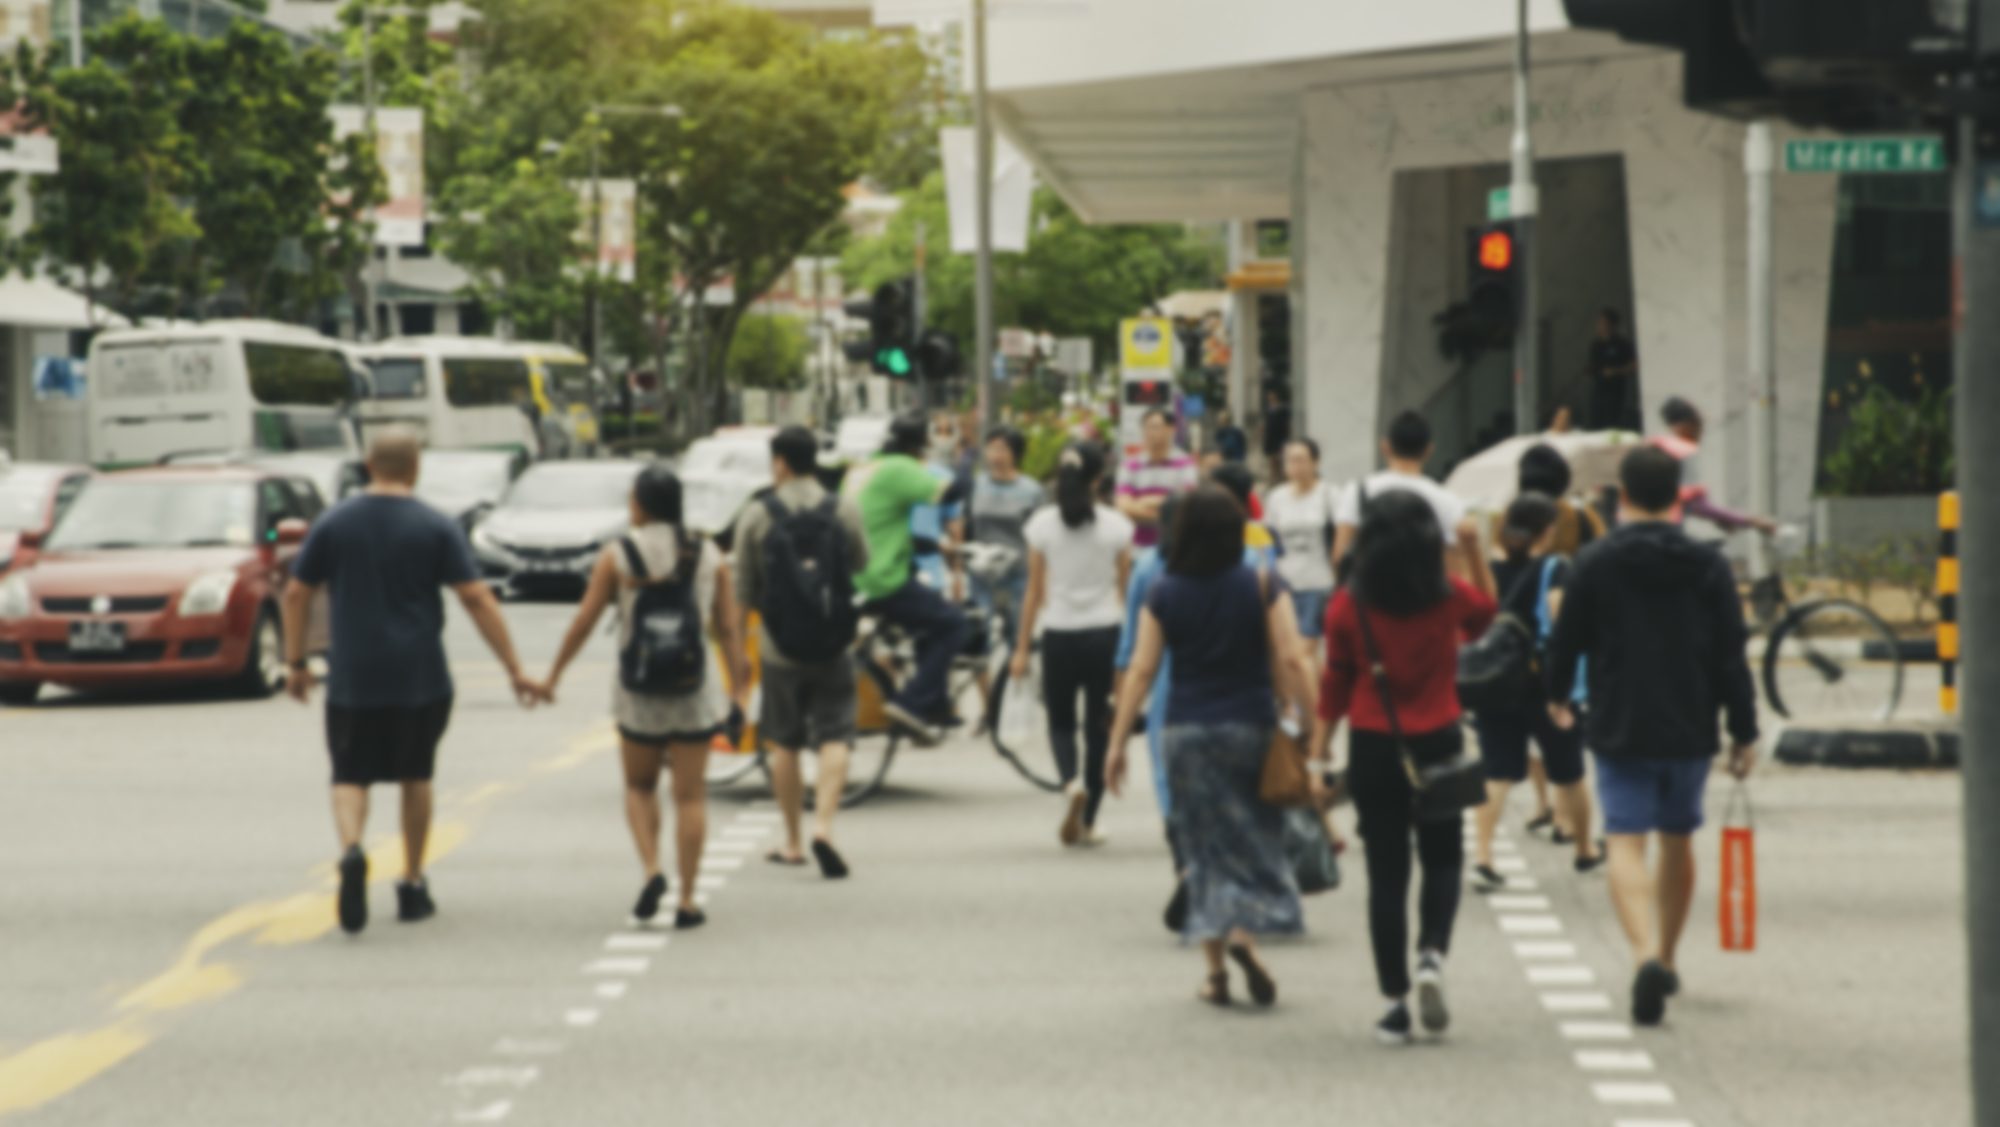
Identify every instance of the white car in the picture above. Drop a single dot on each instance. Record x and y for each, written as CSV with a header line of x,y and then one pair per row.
x,y
545,533
721,473
859,438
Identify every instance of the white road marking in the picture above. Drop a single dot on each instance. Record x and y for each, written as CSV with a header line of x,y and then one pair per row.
x,y
1581,1002
1502,845
711,883
1651,1123
1531,925
528,1046
1562,976
747,832
734,844
1510,864
1522,884
1545,949
1631,1093
1503,903
630,942
518,1076
611,989
491,1113
763,817
1614,1060
1596,1031
582,1017
721,864
632,964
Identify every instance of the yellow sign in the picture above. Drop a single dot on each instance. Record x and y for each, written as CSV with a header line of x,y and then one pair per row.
x,y
1146,342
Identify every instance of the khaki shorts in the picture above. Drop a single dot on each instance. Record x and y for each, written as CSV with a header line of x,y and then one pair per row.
x,y
807,706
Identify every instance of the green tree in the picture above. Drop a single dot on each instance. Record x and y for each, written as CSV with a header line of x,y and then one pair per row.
x,y
769,352
1075,278
516,233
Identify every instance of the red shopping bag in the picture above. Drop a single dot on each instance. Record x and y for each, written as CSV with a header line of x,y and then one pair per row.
x,y
1738,901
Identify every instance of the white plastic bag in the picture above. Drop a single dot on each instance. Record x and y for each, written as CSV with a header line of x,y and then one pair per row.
x,y
1022,721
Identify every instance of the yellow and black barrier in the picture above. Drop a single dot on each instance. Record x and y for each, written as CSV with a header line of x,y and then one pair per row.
x,y
1947,592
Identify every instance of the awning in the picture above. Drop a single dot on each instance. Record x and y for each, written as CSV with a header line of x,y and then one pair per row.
x,y
37,303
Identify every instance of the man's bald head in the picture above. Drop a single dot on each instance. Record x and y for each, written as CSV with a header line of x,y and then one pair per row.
x,y
394,456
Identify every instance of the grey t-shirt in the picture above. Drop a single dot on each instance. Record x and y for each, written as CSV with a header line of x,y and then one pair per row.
x,y
384,560
1000,511
796,494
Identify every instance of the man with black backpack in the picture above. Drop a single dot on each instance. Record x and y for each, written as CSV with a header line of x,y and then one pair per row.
x,y
798,549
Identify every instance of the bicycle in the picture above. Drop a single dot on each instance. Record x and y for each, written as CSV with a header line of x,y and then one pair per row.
x,y
1825,655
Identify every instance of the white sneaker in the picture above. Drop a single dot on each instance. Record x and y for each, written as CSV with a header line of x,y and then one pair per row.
x,y
1094,837
1431,1009
1072,831
924,734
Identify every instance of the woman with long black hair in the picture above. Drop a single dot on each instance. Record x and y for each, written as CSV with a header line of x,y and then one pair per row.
x,y
1416,617
1079,557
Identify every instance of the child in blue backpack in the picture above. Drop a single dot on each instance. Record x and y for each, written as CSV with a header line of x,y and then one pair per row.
x,y
1530,577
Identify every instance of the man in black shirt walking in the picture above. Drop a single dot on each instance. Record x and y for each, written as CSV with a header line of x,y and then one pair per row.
x,y
1614,376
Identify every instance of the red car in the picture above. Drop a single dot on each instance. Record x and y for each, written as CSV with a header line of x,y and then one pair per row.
x,y
32,496
156,576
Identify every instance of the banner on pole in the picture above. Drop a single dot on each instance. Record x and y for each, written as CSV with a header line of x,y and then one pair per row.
x,y
399,145
618,247
1013,191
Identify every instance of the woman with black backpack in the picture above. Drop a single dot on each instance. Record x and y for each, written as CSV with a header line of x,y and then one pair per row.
x,y
668,701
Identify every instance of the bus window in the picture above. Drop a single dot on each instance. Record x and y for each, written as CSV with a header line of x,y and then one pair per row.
x,y
486,383
283,375
397,377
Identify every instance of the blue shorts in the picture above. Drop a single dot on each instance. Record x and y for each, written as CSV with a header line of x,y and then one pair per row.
x,y
1311,607
1642,796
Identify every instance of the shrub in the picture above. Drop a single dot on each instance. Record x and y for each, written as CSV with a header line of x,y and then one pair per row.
x,y
1893,445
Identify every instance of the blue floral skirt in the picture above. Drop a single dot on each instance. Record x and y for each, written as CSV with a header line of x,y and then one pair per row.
x,y
1231,840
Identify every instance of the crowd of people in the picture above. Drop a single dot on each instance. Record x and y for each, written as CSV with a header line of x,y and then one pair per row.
x,y
1229,624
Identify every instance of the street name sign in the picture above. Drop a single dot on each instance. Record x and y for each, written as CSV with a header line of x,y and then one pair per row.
x,y
1865,154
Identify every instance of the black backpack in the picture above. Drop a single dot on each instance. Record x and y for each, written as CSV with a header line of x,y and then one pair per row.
x,y
808,604
1501,671
666,654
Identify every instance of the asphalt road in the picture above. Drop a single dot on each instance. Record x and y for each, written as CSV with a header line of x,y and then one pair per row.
x,y
168,956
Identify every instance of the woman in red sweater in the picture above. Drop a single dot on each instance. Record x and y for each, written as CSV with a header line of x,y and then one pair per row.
x,y
1418,616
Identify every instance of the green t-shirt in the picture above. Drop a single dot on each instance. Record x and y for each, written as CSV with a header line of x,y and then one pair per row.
x,y
885,490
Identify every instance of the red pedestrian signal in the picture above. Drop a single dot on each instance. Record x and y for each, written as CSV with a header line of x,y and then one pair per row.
x,y
1496,251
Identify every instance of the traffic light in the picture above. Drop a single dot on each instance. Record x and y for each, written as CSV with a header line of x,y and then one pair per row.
x,y
891,313
1494,297
938,357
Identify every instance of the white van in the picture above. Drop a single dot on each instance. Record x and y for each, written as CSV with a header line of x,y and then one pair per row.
x,y
463,393
220,386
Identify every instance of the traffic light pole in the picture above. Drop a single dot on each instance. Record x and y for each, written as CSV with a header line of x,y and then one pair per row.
x,y
982,176
917,311
1976,392
1524,202
1758,166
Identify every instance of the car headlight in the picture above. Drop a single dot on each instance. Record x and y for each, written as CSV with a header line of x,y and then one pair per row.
x,y
208,594
16,601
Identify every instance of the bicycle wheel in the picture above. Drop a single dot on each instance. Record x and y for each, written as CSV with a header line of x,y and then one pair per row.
x,y
1833,661
1035,763
726,769
873,750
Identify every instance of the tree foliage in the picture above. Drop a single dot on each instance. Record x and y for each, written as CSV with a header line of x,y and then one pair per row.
x,y
769,352
515,232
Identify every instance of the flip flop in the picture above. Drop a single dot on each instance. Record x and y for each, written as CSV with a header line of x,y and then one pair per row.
x,y
1263,991
830,864
777,857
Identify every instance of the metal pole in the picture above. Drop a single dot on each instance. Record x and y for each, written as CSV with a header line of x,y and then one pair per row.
x,y
982,302
1976,393
370,329
76,33
1762,368
1524,202
917,315
596,242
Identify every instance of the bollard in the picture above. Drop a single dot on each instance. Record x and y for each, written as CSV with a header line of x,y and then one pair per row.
x,y
1947,592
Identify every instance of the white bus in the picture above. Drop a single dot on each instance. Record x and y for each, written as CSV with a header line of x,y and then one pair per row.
x,y
219,387
461,393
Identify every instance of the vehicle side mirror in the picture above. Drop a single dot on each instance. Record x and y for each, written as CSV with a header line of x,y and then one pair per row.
x,y
290,532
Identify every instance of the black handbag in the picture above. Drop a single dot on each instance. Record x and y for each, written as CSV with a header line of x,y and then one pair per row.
x,y
1444,788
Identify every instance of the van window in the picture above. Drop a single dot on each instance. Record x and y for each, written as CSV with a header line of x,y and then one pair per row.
x,y
486,383
290,376
397,377
569,383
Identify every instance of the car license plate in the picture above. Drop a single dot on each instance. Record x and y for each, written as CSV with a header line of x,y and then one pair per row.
x,y
96,637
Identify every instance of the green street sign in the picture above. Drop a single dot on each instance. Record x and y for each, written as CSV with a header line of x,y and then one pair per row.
x,y
1498,206
1865,154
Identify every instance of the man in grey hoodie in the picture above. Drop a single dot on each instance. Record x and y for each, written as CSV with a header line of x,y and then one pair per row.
x,y
1659,618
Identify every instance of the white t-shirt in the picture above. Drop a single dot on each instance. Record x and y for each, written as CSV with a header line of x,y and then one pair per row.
x,y
1300,521
1449,508
1081,568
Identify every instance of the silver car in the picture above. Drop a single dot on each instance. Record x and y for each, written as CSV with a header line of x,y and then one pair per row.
x,y
544,535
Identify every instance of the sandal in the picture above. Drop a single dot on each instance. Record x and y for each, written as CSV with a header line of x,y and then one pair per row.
x,y
1263,990
686,918
831,865
1216,993
777,857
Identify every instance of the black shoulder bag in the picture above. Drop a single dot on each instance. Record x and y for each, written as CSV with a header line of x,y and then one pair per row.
x,y
1443,789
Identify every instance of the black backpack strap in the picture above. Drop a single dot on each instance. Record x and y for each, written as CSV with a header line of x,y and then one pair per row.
x,y
635,563
775,507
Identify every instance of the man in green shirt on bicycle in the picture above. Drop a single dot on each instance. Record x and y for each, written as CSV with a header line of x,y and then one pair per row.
x,y
886,489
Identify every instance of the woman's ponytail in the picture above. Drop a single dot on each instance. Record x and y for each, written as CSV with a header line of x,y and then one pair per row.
x,y
1082,463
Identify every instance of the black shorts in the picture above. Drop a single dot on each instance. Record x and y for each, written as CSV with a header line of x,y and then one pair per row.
x,y
663,740
1503,746
385,745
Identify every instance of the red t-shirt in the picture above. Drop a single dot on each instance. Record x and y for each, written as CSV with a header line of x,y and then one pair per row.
x,y
1419,654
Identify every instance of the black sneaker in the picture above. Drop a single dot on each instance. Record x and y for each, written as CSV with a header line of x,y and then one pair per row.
x,y
1395,1027
1673,983
1649,993
413,901
353,898
1541,821
1177,909
1485,878
649,899
1430,992
1595,861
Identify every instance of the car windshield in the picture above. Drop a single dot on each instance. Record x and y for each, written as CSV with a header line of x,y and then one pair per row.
x,y
483,478
553,487
24,500
159,514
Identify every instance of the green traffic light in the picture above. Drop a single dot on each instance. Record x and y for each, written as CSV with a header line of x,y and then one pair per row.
x,y
896,361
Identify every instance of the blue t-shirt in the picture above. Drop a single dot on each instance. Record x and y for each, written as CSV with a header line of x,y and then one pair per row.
x,y
385,561
1215,632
